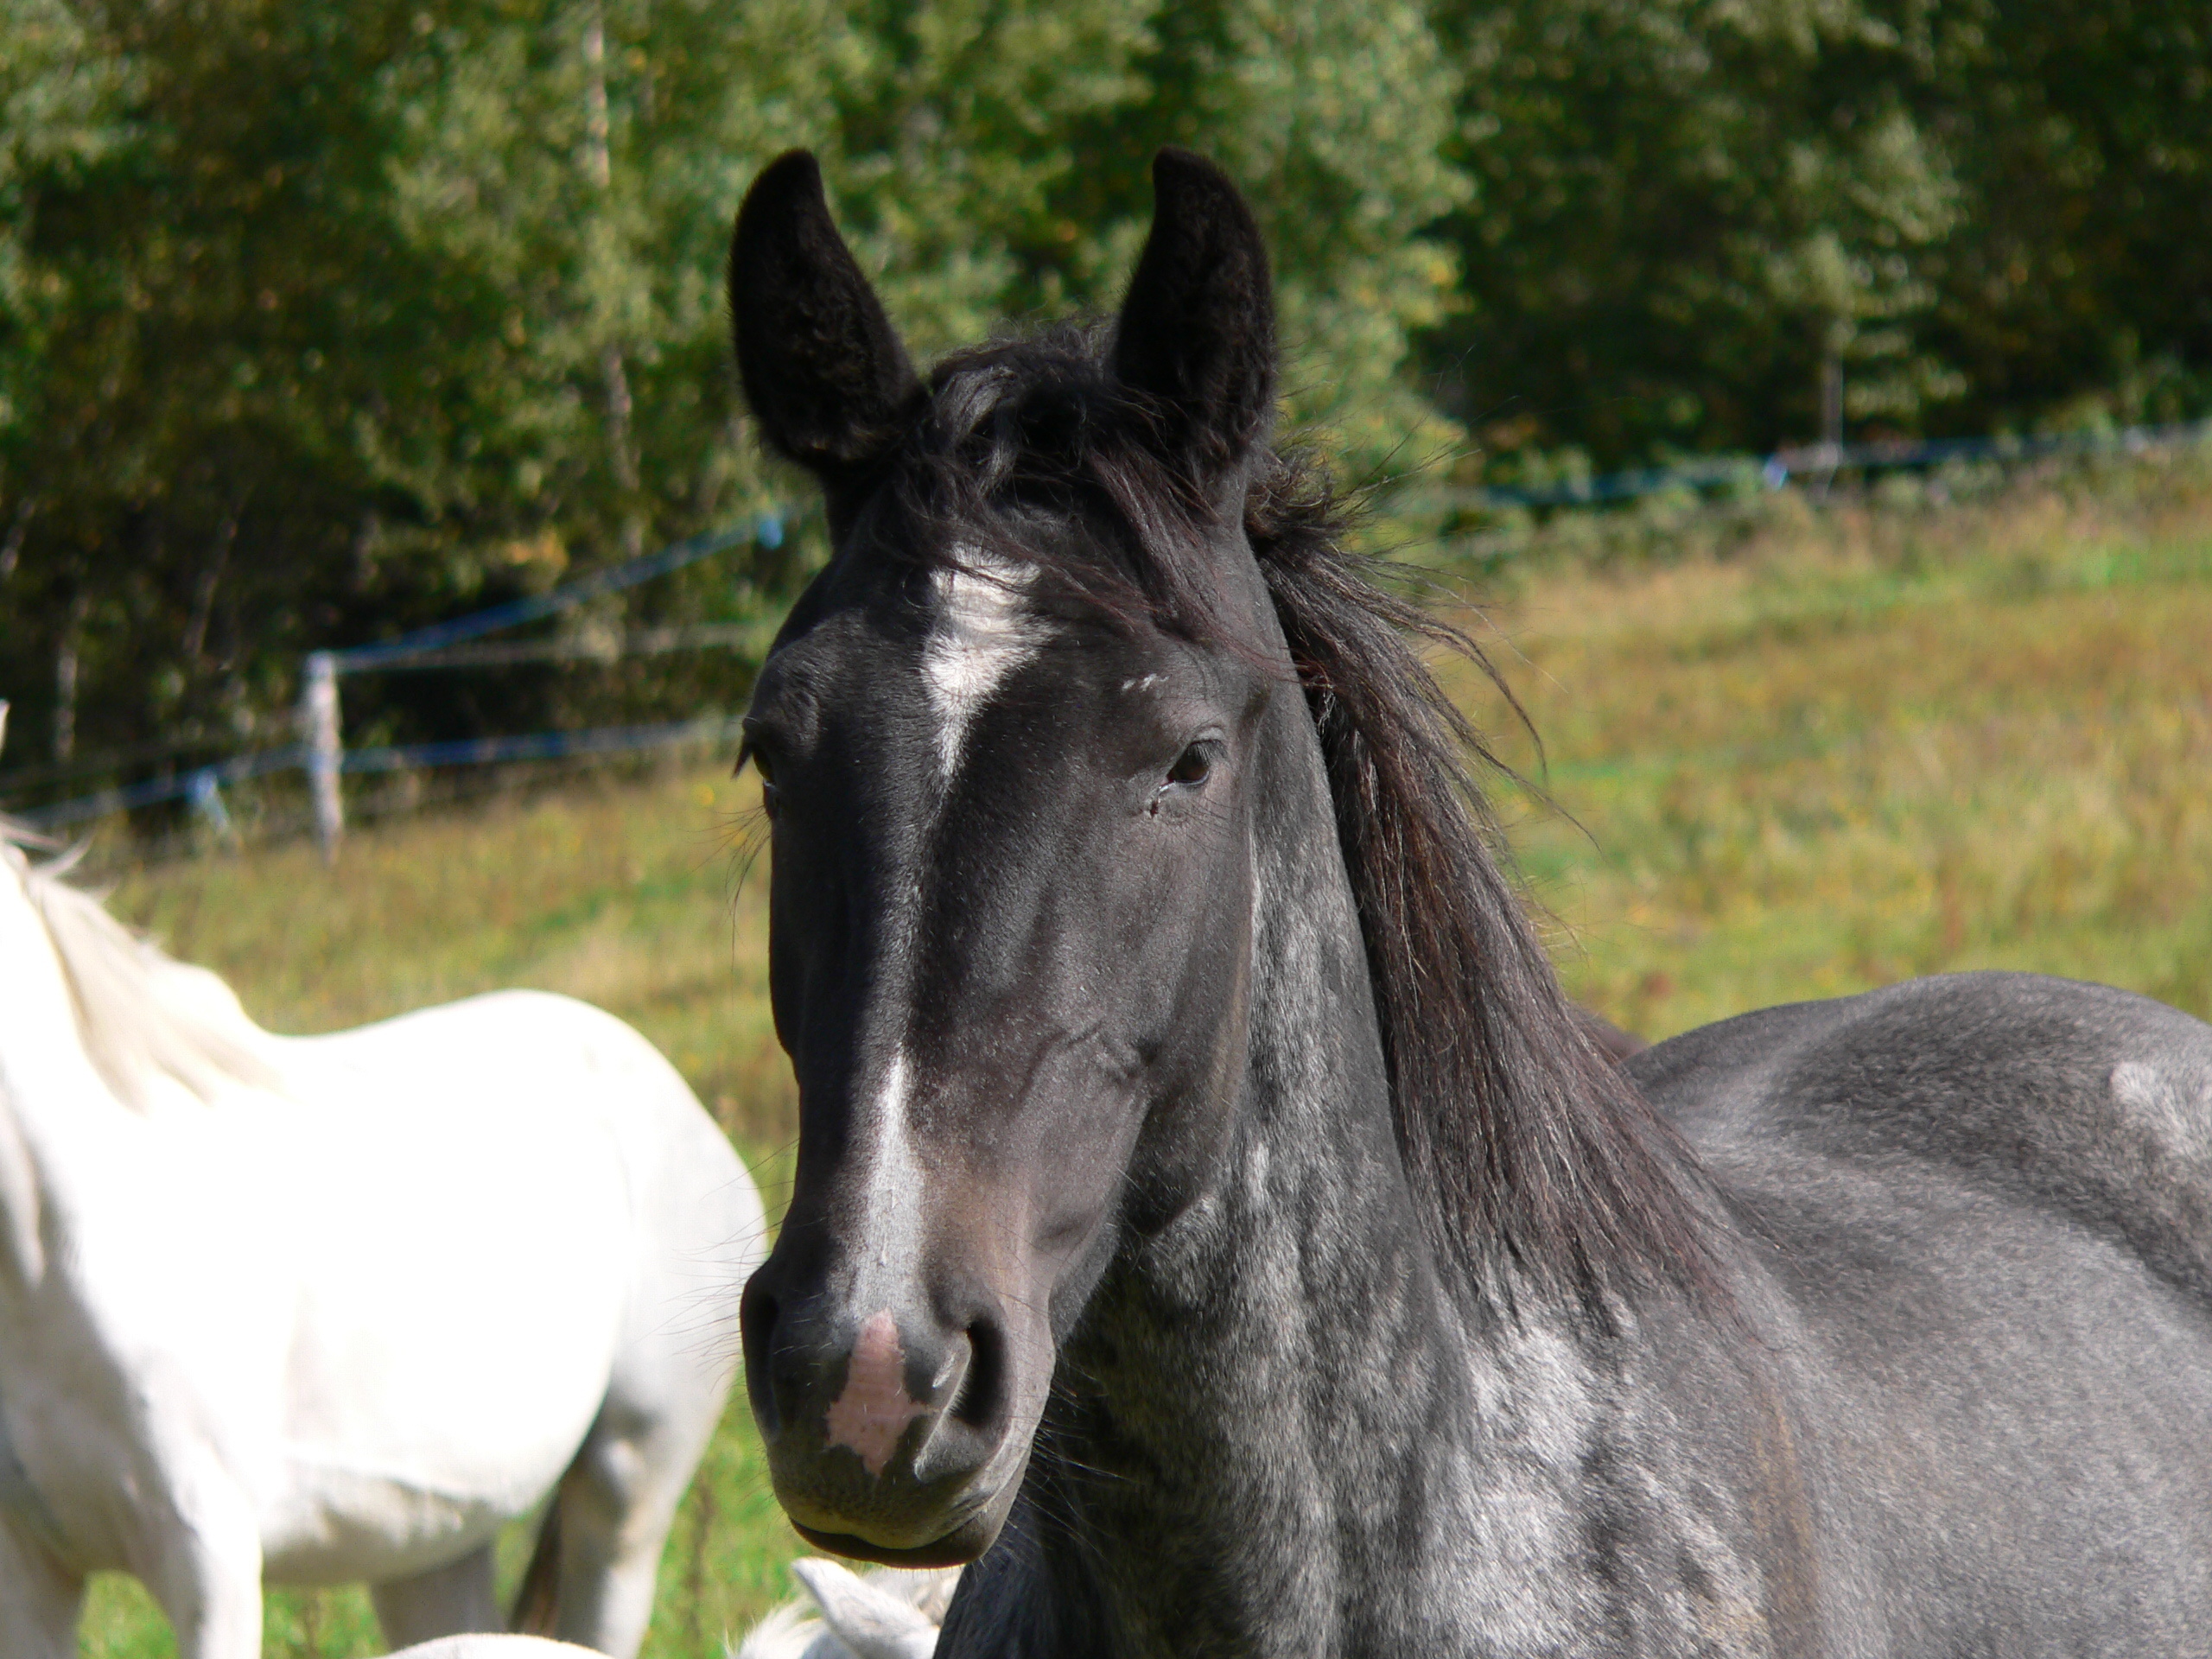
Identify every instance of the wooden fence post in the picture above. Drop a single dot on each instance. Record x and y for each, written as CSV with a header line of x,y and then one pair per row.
x,y
326,755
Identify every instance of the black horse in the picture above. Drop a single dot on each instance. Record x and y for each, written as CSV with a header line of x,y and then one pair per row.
x,y
1212,1219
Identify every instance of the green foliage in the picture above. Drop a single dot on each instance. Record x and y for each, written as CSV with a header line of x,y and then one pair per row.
x,y
317,323
2082,132
1685,207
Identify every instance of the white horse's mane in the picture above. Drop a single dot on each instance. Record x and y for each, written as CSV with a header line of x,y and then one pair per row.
x,y
141,1016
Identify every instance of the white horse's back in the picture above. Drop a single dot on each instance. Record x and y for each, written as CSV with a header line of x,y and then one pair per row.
x,y
540,1213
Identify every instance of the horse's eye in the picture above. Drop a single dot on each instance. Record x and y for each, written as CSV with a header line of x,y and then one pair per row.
x,y
768,792
1190,766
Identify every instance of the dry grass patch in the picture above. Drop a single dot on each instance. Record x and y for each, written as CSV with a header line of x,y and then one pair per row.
x,y
1885,743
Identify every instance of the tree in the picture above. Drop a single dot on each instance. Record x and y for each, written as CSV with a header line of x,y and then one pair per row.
x,y
1687,215
1693,217
316,323
2083,278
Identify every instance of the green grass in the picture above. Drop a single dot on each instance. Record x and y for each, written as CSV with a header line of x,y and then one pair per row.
x,y
1826,750
1870,744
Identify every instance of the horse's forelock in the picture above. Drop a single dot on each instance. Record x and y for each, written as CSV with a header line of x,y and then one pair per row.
x,y
1039,426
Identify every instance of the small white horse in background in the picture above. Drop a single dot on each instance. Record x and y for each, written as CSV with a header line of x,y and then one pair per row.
x,y
494,1647
331,1309
883,1613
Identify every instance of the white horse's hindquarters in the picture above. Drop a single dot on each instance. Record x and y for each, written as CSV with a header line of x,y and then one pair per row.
x,y
627,1228
427,1404
257,1327
187,1195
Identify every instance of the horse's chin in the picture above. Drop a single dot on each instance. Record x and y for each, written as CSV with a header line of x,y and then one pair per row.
x,y
913,1529
955,1549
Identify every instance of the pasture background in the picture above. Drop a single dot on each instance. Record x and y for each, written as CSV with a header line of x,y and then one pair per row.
x,y
1807,748
321,322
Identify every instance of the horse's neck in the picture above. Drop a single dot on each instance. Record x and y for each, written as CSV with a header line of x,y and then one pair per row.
x,y
1277,1422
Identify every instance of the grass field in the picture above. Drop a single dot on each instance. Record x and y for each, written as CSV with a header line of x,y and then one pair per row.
x,y
1830,749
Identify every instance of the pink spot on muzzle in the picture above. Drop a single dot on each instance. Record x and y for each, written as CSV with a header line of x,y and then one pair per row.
x,y
873,1411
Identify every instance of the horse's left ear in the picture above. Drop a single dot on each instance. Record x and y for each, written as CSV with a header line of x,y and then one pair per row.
x,y
1197,334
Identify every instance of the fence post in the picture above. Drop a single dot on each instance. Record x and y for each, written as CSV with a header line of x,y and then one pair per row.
x,y
319,726
205,791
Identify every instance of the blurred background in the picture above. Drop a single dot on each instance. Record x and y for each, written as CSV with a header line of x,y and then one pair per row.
x,y
1814,393
319,322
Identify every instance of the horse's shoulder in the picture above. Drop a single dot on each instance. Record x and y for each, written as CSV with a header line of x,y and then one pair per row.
x,y
2094,1101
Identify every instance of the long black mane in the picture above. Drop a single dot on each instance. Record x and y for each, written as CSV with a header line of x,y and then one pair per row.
x,y
1532,1149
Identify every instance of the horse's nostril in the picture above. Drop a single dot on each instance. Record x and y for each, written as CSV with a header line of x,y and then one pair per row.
x,y
757,1312
979,1390
756,1320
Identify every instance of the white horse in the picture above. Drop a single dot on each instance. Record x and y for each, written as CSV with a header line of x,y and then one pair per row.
x,y
883,1613
331,1309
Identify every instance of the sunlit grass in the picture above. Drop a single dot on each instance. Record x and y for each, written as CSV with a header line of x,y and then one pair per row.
x,y
1878,744
1852,745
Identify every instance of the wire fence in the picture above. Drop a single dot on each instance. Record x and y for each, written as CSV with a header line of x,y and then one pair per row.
x,y
202,787
460,643
1823,461
463,643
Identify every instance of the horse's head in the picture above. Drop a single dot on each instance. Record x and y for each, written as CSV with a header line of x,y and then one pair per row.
x,y
1014,741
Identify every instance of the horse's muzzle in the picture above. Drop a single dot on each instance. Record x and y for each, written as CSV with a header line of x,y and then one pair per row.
x,y
888,1429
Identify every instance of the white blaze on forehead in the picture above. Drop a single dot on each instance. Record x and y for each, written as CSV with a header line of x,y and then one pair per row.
x,y
981,633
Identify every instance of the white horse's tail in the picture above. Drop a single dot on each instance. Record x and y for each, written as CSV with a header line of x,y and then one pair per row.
x,y
538,1599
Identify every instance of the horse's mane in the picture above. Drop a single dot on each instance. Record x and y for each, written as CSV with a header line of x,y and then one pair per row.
x,y
141,1014
1534,1151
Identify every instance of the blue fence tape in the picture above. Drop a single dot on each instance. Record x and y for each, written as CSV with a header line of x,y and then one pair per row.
x,y
176,786
202,784
1776,470
539,746
767,531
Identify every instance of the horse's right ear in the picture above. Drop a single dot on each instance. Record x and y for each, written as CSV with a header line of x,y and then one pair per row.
x,y
823,367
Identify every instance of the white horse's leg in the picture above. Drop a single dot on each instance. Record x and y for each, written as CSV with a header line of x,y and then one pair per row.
x,y
208,1577
39,1599
617,1501
450,1600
